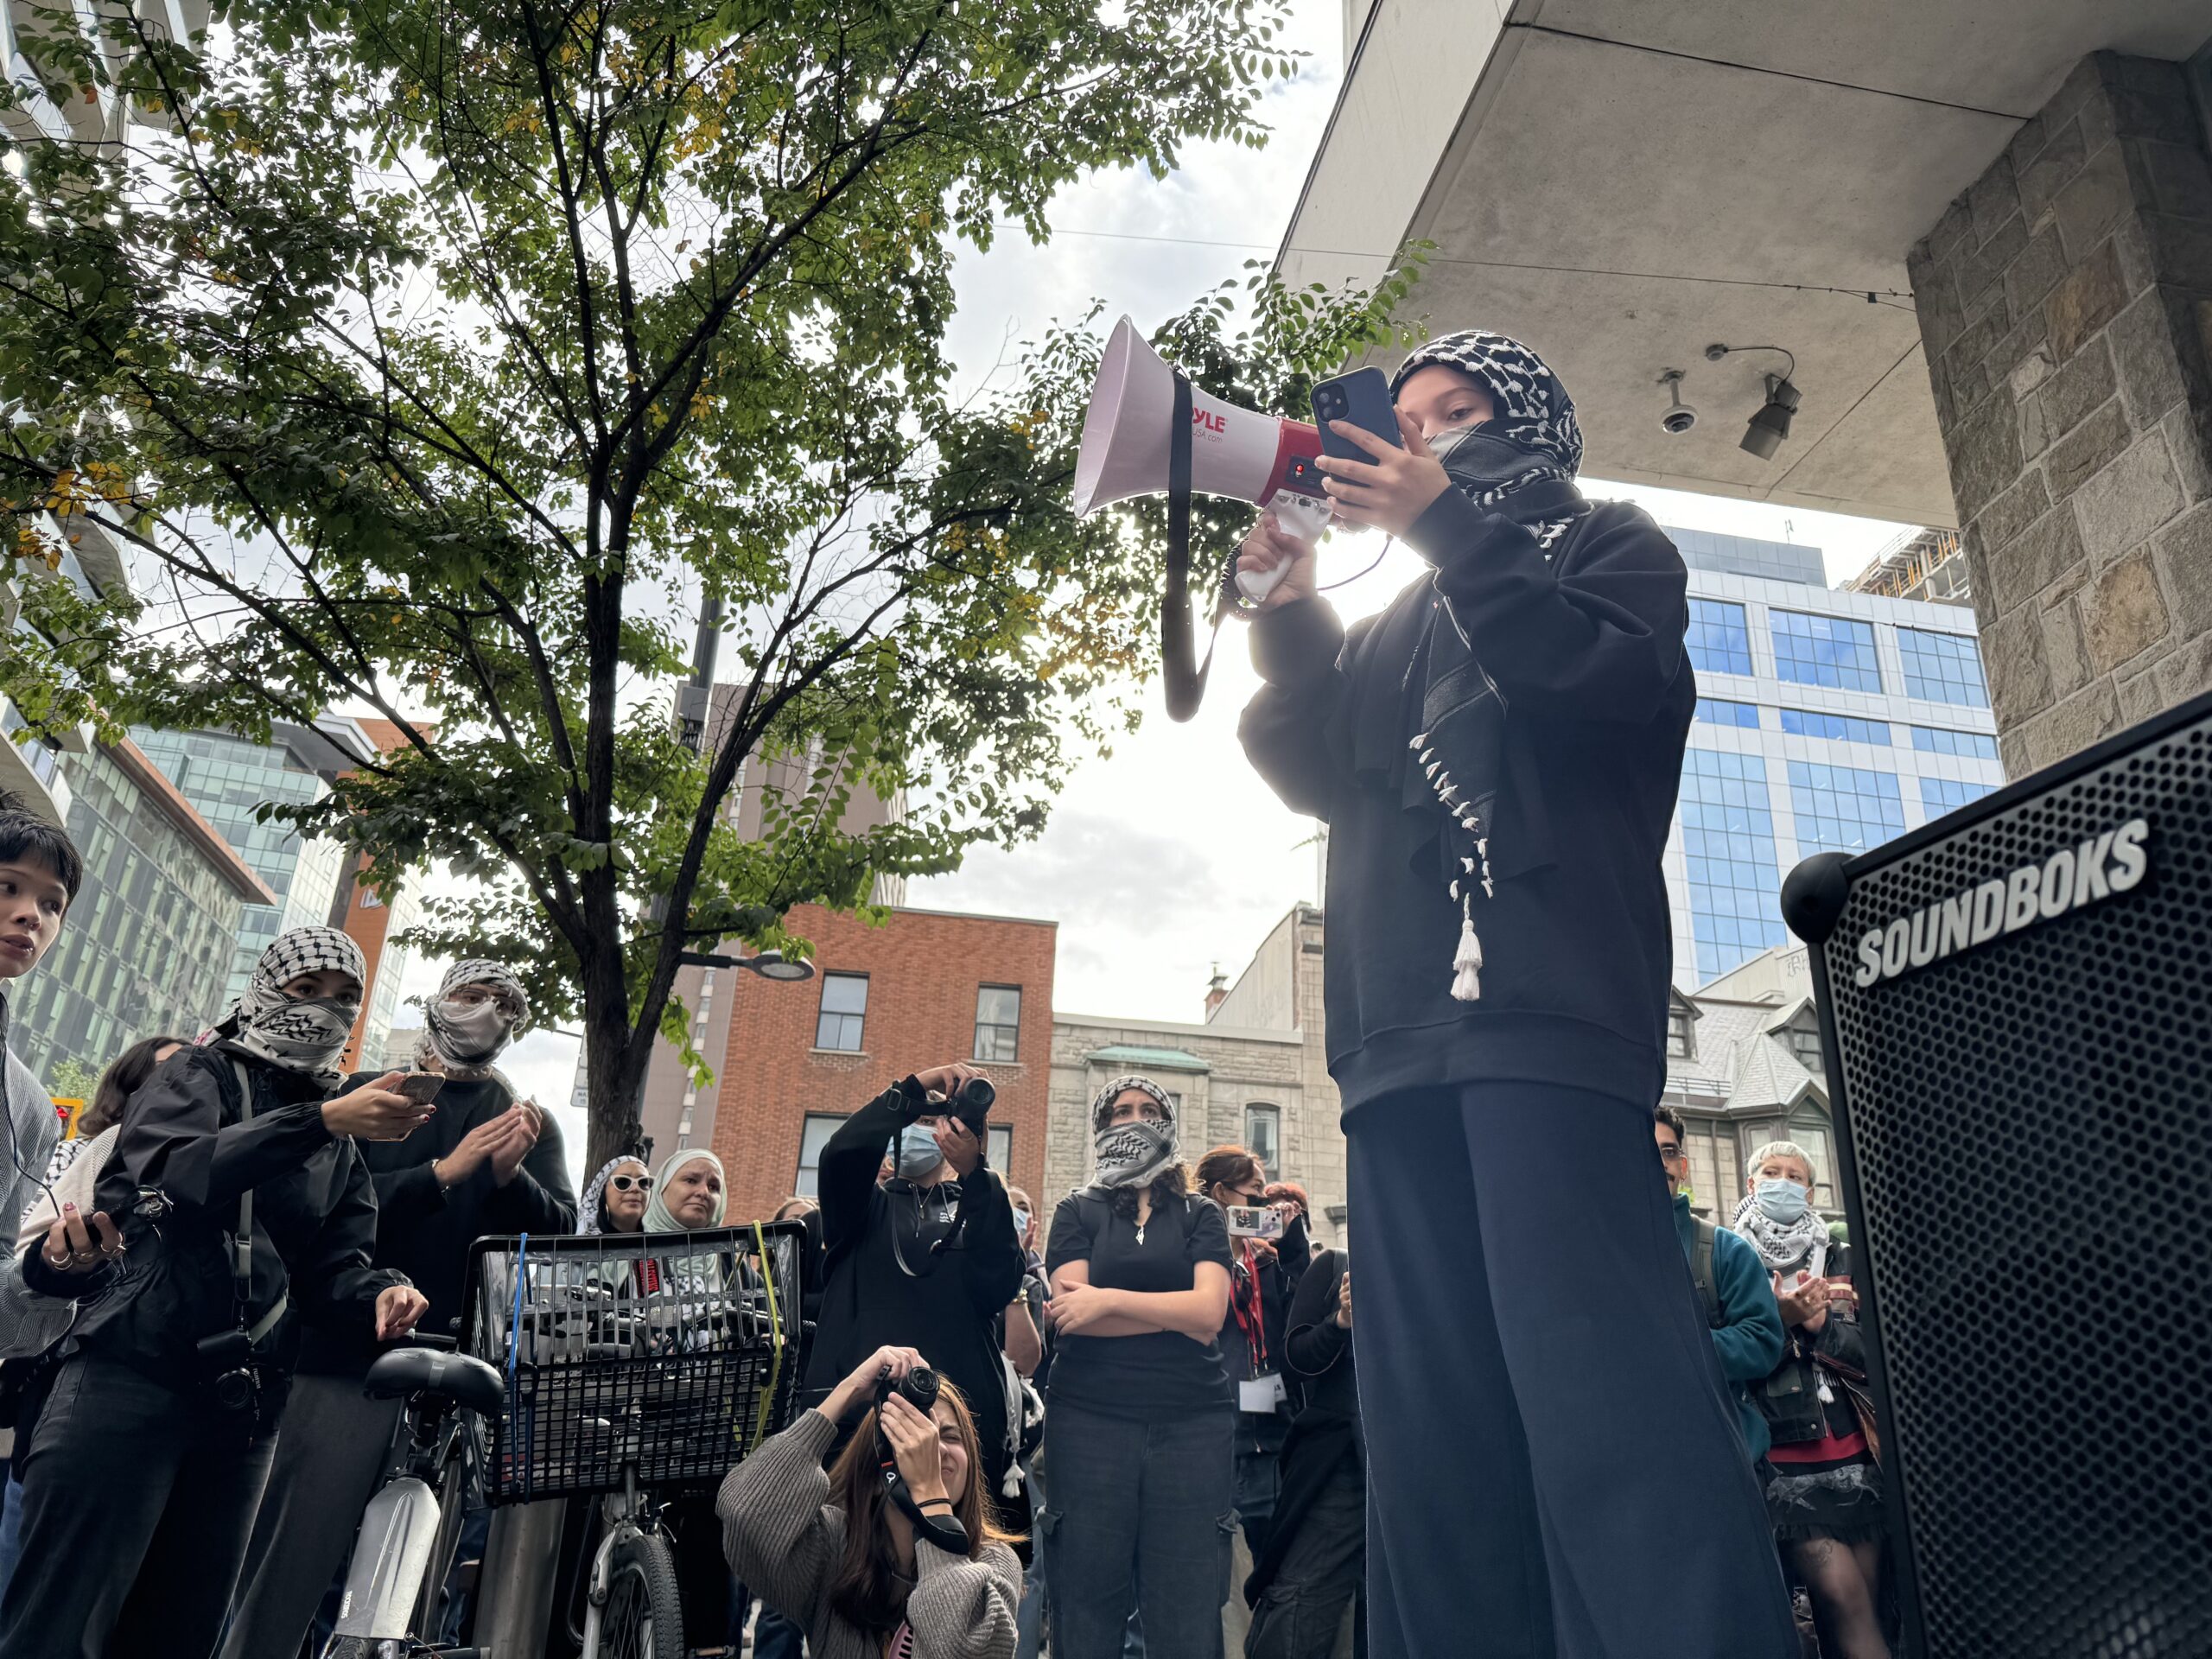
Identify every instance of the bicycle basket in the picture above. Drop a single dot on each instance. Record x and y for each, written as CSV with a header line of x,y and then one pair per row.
x,y
673,1355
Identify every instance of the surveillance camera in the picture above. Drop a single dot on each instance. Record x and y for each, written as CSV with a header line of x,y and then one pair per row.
x,y
1677,420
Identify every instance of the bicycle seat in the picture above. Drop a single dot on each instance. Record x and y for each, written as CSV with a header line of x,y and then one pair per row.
x,y
405,1372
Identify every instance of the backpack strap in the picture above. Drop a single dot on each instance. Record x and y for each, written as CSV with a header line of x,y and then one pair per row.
x,y
1702,1270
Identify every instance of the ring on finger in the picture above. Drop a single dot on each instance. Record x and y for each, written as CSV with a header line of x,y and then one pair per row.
x,y
57,1260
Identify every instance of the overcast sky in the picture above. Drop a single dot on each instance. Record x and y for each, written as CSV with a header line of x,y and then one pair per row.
x,y
1169,856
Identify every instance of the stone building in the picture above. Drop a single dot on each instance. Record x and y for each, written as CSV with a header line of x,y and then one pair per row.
x,y
1253,1073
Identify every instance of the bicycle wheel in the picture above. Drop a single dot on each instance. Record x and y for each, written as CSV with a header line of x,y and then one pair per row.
x,y
644,1618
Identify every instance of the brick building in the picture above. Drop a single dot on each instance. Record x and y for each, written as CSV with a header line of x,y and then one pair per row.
x,y
926,987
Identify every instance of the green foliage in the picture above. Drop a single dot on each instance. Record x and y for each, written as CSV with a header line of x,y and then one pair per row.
x,y
445,352
71,1080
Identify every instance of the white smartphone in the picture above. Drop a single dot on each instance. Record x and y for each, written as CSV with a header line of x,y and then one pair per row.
x,y
1254,1221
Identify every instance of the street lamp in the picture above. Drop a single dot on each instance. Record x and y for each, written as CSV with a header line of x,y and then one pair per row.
x,y
769,964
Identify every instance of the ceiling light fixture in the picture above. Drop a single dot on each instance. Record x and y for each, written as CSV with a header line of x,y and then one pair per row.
x,y
1764,435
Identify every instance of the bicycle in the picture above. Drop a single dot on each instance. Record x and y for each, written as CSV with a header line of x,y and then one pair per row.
x,y
633,1367
394,1601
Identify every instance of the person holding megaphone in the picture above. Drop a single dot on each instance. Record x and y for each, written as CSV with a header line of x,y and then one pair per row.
x,y
1497,756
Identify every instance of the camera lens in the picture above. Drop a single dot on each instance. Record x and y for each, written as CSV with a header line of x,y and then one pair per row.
x,y
977,1094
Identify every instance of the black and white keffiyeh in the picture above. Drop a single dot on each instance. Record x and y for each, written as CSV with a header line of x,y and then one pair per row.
x,y
1783,1246
307,1036
1131,1154
1534,414
467,1039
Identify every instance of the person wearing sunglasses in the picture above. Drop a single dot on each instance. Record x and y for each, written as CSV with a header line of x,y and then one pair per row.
x,y
615,1199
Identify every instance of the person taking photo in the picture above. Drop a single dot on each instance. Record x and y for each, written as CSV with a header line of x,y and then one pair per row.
x,y
928,1260
840,1556
148,1450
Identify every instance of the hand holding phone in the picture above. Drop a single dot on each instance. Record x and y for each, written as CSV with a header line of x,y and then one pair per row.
x,y
421,1087
1361,398
1254,1221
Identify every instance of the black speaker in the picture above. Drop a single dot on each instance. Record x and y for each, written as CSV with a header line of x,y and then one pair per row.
x,y
2016,1004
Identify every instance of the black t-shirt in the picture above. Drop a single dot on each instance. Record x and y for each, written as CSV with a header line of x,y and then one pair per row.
x,y
1161,1371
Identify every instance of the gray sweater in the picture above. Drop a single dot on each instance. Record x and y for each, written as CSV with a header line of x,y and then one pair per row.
x,y
784,1540
36,1129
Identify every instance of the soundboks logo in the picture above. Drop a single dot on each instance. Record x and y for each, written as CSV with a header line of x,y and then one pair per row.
x,y
2070,878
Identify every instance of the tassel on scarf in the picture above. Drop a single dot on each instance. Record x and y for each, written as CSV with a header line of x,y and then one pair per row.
x,y
1467,964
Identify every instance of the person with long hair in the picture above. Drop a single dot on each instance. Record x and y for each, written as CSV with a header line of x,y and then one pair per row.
x,y
152,1438
840,1557
1140,1430
126,1075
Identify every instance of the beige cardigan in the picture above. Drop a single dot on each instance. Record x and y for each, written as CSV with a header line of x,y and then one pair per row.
x,y
784,1540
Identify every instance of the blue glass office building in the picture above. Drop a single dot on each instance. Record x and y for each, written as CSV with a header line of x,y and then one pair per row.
x,y
1826,719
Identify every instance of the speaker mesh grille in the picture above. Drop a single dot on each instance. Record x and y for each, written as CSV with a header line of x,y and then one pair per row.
x,y
2032,1126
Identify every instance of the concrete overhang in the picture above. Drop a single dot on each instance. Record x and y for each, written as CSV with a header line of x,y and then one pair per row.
x,y
1621,182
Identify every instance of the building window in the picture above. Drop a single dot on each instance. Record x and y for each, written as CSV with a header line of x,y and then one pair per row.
x,y
1814,1139
1735,878
1935,740
999,1148
998,1024
1719,640
1680,1044
1263,1137
1803,1038
1715,1178
1842,728
1718,711
844,1010
812,1138
1942,667
1832,650
1843,809
1941,795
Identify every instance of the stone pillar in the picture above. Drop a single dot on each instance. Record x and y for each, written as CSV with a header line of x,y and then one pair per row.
x,y
2065,304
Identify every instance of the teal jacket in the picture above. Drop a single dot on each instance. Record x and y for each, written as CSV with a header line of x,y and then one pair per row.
x,y
1749,1336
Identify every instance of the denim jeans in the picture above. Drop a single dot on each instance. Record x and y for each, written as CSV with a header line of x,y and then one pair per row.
x,y
1259,1483
1140,1514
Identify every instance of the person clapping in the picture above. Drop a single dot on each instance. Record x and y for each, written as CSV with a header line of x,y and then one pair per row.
x,y
867,1564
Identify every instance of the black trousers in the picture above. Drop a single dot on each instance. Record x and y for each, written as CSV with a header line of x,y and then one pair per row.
x,y
1324,1563
1554,1466
138,1504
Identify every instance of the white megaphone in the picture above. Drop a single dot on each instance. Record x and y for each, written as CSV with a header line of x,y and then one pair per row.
x,y
1234,452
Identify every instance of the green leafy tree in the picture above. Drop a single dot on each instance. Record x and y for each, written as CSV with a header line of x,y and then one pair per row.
x,y
442,359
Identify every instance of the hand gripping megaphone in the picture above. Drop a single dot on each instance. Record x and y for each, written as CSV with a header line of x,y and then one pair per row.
x,y
1150,430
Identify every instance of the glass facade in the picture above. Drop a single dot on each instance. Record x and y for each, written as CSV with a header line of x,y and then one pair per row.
x,y
1843,728
1833,650
1941,795
146,948
1735,877
1718,711
390,967
228,777
1719,640
1942,668
1934,739
1843,809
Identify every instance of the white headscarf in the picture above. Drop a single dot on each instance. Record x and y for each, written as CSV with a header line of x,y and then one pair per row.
x,y
305,1036
658,1218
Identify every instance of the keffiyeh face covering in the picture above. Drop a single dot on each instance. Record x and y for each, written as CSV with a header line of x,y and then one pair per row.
x,y
306,1036
1130,1154
473,1034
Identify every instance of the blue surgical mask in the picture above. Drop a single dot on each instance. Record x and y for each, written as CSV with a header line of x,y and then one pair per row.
x,y
1783,1201
1020,1223
919,1153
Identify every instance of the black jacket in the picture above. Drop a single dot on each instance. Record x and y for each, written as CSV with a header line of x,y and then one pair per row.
x,y
1326,1435
1790,1397
948,1311
314,1220
1586,651
425,1232
1279,1280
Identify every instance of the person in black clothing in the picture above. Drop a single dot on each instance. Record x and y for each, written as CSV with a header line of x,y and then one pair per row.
x,y
1497,756
1315,1562
153,1437
483,1163
926,1261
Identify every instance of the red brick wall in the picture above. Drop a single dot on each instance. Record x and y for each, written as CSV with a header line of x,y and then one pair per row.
x,y
924,972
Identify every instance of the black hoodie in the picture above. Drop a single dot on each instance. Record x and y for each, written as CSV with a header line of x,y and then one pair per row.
x,y
1586,651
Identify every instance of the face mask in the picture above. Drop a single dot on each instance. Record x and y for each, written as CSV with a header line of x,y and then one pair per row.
x,y
1781,1201
469,1032
1021,1223
918,1151
1476,458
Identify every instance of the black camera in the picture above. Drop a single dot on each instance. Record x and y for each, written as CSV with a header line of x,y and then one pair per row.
x,y
226,1360
919,1388
971,1105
